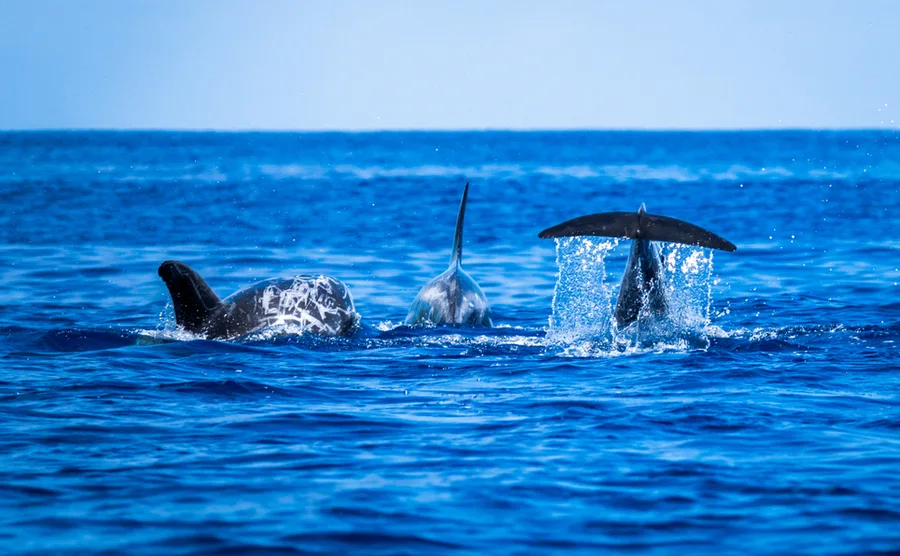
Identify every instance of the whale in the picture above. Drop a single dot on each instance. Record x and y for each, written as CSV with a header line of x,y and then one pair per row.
x,y
642,289
317,304
452,297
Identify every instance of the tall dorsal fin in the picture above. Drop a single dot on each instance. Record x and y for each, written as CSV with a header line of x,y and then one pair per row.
x,y
192,297
456,256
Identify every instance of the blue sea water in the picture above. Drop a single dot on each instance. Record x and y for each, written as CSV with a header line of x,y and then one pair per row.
x,y
763,418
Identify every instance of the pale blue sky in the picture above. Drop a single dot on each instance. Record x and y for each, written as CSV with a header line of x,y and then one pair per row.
x,y
460,64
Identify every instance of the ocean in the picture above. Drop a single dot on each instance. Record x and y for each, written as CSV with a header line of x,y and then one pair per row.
x,y
762,418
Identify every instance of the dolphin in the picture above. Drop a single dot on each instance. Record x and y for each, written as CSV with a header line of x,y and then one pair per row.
x,y
318,304
643,284
453,297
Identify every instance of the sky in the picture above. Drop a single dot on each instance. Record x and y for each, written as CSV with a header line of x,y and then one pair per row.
x,y
454,64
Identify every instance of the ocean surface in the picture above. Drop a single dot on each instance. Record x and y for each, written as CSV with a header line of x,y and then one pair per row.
x,y
762,415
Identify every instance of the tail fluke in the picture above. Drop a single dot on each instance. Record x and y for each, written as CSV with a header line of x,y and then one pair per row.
x,y
456,256
193,299
639,225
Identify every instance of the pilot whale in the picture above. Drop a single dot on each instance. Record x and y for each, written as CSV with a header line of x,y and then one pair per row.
x,y
643,284
453,297
317,304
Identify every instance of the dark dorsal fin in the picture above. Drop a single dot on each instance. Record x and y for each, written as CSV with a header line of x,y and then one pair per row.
x,y
639,225
194,300
456,256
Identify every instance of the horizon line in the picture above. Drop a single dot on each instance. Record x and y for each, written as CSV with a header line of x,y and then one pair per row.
x,y
237,130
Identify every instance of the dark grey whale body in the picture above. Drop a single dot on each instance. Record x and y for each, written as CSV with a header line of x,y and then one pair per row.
x,y
643,283
453,297
317,304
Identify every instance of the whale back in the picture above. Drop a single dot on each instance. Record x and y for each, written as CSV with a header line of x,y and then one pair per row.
x,y
453,297
315,303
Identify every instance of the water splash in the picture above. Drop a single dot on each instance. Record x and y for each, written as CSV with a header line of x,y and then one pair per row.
x,y
148,337
583,321
583,297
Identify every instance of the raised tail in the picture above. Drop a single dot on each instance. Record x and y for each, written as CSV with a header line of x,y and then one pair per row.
x,y
456,256
639,225
194,300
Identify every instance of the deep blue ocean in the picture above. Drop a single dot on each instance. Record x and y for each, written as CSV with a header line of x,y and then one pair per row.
x,y
766,419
